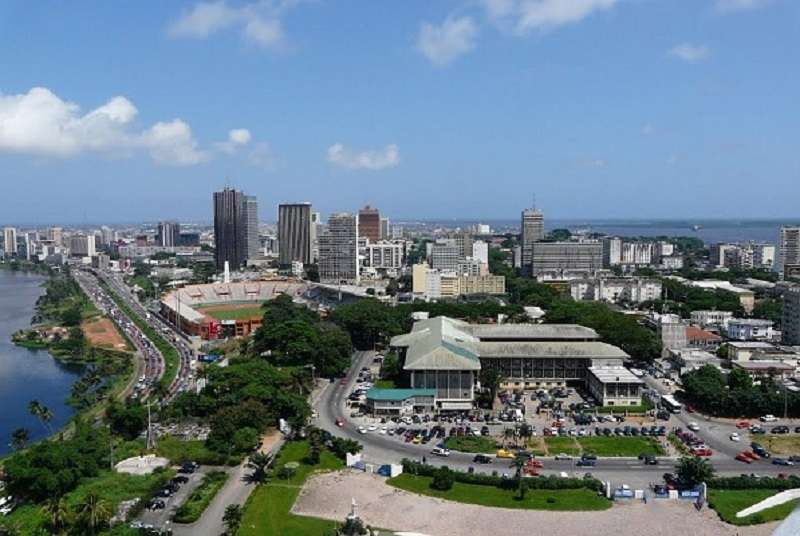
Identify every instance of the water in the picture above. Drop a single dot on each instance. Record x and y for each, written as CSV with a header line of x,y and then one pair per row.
x,y
25,374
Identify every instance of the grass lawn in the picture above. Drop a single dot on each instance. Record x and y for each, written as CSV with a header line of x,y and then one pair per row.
x,y
729,501
536,446
564,500
179,451
643,408
109,486
267,509
234,314
620,446
557,445
201,497
480,444
784,445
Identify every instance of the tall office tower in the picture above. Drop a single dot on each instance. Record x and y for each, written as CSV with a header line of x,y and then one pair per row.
x,y
446,255
230,228
317,227
338,250
55,235
791,316
788,248
81,245
559,256
10,241
106,235
294,233
168,234
385,229
369,223
612,251
251,240
480,251
532,230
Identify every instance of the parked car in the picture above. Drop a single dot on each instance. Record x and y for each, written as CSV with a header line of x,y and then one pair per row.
x,y
585,463
339,421
562,456
781,461
481,458
743,457
780,429
440,451
758,449
693,426
503,453
768,418
743,424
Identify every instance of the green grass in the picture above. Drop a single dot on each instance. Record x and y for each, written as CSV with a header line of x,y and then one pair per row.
x,y
385,384
562,500
170,354
620,446
481,444
643,408
557,445
267,509
783,445
178,451
109,486
236,314
729,501
201,497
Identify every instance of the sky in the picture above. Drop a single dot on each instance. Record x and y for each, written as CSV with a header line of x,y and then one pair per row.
x,y
137,111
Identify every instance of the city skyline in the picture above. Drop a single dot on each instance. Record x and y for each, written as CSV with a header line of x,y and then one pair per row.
x,y
617,109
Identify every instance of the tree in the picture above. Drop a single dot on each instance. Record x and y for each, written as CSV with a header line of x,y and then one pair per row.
x,y
20,438
522,486
443,479
41,412
260,463
94,512
127,420
59,514
288,470
491,378
342,447
232,518
692,470
518,464
71,316
559,234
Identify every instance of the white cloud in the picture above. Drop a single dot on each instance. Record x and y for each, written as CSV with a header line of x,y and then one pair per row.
x,y
728,6
525,15
384,158
442,44
237,137
41,123
690,53
259,22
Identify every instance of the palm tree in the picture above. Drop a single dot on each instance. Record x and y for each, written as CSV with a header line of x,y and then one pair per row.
x,y
20,438
518,464
259,463
94,511
59,515
508,433
232,518
41,412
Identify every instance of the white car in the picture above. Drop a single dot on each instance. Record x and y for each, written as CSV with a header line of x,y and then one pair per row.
x,y
769,418
439,451
693,426
362,430
372,428
563,456
735,437
383,430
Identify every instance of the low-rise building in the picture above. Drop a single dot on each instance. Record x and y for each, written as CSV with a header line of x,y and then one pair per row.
x,y
614,386
700,338
616,289
715,319
765,369
749,329
399,401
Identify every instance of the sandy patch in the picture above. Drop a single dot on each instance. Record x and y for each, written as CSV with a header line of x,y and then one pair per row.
x,y
102,332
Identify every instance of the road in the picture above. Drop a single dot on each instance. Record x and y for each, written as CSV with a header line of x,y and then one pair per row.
x,y
184,377
382,449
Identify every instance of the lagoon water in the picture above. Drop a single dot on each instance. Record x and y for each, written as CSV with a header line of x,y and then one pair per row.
x,y
25,374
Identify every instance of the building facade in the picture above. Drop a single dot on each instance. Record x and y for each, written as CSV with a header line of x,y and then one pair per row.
x,y
235,225
791,316
295,233
788,247
338,250
10,241
384,255
168,234
532,230
559,256
369,223
749,329
446,255
616,289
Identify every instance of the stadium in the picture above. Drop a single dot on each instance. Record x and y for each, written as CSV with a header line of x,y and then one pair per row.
x,y
220,310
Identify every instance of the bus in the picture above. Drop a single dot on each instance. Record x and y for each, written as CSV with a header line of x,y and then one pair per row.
x,y
670,404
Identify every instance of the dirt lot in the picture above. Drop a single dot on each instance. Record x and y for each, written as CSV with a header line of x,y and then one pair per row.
x,y
102,332
329,495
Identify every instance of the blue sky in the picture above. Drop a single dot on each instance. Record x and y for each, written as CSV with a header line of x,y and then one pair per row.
x,y
130,111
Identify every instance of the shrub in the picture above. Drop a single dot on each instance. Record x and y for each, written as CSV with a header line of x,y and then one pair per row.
x,y
443,479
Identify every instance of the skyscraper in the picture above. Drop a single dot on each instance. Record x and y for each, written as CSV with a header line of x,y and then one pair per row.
x,y
369,223
338,250
235,223
532,230
168,233
10,241
294,233
788,248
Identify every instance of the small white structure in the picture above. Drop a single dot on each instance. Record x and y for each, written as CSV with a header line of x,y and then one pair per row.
x,y
141,465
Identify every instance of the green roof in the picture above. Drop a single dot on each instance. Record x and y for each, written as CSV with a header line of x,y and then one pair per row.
x,y
398,394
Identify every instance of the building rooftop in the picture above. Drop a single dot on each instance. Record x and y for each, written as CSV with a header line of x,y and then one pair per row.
x,y
751,345
614,375
550,349
763,365
398,394
532,332
697,334
750,322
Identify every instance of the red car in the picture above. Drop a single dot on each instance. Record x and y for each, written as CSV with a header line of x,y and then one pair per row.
x,y
752,455
690,408
534,463
743,457
702,451
343,381
742,424
339,421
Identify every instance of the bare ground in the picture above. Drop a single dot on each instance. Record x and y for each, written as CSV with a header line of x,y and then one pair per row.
x,y
328,495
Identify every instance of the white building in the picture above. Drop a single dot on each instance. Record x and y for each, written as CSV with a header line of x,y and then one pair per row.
x,y
82,246
480,251
384,255
446,254
615,289
612,252
10,240
638,253
338,250
749,329
706,319
672,262
788,247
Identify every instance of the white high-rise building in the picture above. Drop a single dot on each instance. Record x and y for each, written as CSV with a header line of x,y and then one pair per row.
x,y
480,251
338,250
788,248
10,241
612,252
82,246
55,235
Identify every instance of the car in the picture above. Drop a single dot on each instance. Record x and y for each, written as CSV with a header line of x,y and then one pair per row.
x,y
362,430
755,429
343,381
562,456
156,504
534,463
758,449
768,418
589,457
752,455
735,437
503,453
743,457
440,451
372,428
779,430
585,463
164,492
743,424
781,461
482,459
339,422
649,459
702,451
180,479
693,426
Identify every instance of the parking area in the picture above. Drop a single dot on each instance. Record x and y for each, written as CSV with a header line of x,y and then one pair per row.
x,y
159,511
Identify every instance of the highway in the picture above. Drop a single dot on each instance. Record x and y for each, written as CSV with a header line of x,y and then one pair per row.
x,y
382,449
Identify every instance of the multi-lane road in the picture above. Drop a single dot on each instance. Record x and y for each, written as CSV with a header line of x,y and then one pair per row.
x,y
379,448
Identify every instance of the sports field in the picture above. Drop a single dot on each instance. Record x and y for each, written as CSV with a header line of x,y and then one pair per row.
x,y
101,332
239,311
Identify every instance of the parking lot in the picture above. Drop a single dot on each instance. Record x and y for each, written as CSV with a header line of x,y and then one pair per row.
x,y
160,510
